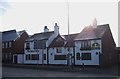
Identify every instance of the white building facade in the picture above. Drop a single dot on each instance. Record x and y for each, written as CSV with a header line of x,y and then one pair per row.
x,y
36,47
89,54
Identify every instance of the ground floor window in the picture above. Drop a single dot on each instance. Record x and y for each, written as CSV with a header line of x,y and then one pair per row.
x,y
44,56
77,56
35,57
86,56
28,57
32,57
59,57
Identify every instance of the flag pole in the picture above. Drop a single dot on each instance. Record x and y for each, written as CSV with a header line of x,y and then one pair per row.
x,y
68,33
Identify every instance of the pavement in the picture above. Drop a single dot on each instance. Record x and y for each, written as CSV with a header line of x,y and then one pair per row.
x,y
59,71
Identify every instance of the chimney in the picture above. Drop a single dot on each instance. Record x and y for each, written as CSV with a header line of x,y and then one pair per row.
x,y
46,29
94,24
56,29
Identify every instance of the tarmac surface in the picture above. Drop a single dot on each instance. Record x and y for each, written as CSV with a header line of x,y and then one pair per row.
x,y
25,71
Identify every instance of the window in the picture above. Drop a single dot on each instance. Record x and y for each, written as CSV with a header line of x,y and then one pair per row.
x,y
10,44
2,45
77,56
86,56
59,57
44,56
85,45
58,50
27,45
10,56
6,45
35,56
28,57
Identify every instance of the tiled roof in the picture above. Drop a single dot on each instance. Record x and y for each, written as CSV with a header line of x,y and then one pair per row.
x,y
11,35
90,32
57,42
63,41
40,36
70,39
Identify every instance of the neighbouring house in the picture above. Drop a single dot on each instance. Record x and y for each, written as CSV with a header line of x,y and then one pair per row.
x,y
12,44
61,50
95,46
118,54
36,47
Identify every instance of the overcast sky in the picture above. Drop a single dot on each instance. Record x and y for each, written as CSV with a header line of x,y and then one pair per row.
x,y
33,16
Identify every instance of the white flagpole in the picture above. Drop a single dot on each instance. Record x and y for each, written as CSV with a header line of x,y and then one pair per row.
x,y
68,33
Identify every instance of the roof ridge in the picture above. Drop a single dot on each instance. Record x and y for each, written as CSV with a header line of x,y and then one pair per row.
x,y
43,32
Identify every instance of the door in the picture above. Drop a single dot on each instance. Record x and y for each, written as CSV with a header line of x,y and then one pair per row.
x,y
15,59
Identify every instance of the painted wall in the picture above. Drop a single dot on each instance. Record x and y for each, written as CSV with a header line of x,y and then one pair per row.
x,y
94,57
41,52
52,52
20,58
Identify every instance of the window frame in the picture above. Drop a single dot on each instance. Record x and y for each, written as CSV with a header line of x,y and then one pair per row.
x,y
88,54
78,56
59,57
34,56
59,50
85,45
27,45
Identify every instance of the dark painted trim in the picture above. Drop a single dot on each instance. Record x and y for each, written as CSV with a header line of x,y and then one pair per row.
x,y
47,55
74,54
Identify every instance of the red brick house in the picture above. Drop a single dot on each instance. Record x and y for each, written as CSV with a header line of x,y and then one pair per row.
x,y
12,43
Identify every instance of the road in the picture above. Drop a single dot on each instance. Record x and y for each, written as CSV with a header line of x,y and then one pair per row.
x,y
23,72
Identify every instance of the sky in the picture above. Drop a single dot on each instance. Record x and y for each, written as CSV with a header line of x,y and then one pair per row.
x,y
33,16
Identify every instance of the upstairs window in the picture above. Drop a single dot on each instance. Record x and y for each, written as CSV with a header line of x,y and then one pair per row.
x,y
59,50
27,45
85,45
